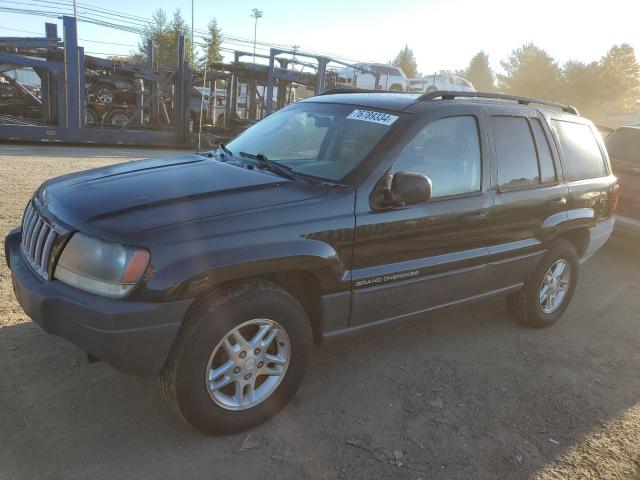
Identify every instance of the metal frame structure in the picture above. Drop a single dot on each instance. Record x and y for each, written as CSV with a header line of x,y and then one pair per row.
x,y
321,72
64,95
163,100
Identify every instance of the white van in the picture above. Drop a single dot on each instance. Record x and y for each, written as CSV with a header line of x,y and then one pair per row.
x,y
443,81
391,77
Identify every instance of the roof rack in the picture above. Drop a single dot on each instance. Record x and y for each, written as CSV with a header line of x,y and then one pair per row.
x,y
340,90
448,95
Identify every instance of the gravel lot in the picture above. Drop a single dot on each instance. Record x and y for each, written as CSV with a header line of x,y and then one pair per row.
x,y
463,393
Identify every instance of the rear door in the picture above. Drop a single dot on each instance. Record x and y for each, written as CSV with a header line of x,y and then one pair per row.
x,y
530,198
624,151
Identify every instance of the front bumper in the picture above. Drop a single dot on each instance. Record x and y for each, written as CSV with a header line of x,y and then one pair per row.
x,y
133,337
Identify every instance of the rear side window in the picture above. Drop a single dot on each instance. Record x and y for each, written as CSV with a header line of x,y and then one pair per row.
x,y
547,169
582,155
516,153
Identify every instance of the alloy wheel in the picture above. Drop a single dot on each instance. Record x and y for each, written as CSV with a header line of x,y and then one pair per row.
x,y
248,364
555,286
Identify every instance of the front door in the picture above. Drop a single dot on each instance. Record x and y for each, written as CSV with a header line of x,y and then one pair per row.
x,y
409,259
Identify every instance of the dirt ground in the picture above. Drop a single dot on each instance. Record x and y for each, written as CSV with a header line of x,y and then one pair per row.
x,y
464,393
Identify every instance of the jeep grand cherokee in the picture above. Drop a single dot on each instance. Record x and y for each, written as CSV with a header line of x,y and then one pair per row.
x,y
218,271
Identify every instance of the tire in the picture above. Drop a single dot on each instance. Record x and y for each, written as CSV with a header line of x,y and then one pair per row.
x,y
184,379
92,117
118,118
526,305
102,93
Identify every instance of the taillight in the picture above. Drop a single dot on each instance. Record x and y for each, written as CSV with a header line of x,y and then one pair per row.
x,y
614,196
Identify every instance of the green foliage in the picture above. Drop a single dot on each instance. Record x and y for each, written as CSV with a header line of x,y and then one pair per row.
x,y
597,89
406,60
532,72
479,72
164,35
620,79
214,42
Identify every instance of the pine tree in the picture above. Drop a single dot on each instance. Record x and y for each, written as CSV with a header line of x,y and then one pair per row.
x,y
214,43
479,72
406,60
532,72
620,79
164,36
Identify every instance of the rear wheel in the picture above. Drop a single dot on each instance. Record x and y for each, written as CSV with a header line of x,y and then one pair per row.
x,y
239,359
118,118
548,291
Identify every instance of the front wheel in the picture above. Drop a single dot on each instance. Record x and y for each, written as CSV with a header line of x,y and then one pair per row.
x,y
239,359
548,291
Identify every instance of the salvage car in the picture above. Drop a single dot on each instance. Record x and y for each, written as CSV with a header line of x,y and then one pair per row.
x,y
623,145
217,271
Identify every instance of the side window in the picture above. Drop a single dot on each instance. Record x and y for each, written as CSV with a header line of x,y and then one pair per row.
x,y
448,152
547,168
581,152
515,151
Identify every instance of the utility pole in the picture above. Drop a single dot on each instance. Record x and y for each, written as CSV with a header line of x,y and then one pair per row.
x,y
295,49
256,14
75,12
192,57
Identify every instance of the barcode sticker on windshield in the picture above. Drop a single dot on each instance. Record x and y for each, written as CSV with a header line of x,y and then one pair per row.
x,y
374,117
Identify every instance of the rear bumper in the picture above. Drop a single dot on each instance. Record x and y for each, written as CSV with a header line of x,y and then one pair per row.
x,y
627,225
598,236
133,337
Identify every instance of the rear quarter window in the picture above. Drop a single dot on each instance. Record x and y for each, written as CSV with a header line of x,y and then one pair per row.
x,y
582,155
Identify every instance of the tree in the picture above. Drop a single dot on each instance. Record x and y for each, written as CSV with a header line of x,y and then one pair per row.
x,y
620,79
532,72
164,37
582,87
479,72
214,42
407,62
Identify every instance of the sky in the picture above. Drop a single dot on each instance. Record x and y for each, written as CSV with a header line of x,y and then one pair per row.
x,y
444,35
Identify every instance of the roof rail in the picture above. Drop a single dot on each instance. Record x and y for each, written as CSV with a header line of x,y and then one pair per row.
x,y
449,95
340,90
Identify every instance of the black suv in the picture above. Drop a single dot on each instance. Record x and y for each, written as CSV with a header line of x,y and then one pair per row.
x,y
218,271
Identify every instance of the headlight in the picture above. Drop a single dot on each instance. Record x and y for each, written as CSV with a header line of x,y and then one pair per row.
x,y
107,269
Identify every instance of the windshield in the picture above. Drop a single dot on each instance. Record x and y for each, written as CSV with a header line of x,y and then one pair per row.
x,y
321,140
624,144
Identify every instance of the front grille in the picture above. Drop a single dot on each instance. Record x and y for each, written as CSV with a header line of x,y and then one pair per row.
x,y
37,241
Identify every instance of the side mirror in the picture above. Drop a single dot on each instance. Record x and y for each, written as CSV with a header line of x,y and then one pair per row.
x,y
407,188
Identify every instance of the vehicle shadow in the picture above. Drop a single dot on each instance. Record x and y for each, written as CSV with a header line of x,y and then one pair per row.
x,y
461,393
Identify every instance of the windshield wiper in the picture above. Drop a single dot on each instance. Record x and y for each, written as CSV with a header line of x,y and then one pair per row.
x,y
226,151
281,170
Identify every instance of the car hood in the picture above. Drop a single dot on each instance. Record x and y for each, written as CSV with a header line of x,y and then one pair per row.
x,y
148,194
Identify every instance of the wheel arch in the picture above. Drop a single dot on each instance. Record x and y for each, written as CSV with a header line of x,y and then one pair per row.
x,y
578,237
300,284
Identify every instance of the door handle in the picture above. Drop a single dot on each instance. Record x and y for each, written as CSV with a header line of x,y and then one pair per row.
x,y
558,202
474,216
